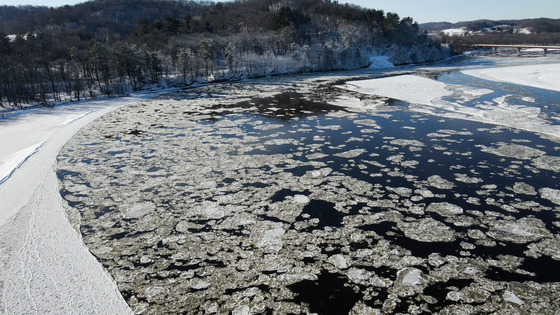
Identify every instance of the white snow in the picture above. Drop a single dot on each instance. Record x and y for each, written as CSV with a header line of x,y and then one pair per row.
x,y
544,76
455,31
523,30
12,162
44,265
381,62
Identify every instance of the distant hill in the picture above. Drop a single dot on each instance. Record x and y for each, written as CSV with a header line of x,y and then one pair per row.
x,y
542,25
15,13
117,16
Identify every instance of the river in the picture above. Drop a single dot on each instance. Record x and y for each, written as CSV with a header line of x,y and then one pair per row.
x,y
265,196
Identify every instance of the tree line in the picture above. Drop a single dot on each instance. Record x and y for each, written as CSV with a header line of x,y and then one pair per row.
x,y
65,53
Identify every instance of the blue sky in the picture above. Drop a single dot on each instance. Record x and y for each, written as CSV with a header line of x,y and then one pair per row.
x,y
422,10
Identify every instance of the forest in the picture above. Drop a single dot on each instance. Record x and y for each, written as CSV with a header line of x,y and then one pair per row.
x,y
114,47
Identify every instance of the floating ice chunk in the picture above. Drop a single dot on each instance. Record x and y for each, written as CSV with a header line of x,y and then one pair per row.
x,y
272,239
427,230
361,309
424,193
516,151
550,194
268,126
301,199
146,260
438,182
339,261
182,226
351,153
401,191
153,291
281,142
366,122
520,231
200,284
545,162
453,296
358,275
468,180
139,210
445,209
213,212
316,173
410,277
512,298
523,188
242,310
406,142
316,156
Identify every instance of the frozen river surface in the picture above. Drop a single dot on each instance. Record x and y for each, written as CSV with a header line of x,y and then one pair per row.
x,y
268,196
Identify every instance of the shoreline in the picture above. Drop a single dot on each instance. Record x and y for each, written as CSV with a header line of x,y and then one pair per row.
x,y
38,274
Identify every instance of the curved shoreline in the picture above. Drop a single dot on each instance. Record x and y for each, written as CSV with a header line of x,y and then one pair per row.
x,y
37,274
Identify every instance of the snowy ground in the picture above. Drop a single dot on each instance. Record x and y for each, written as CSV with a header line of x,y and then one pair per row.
x,y
39,275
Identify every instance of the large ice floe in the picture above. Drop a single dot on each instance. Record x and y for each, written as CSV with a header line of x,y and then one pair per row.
x,y
264,197
545,76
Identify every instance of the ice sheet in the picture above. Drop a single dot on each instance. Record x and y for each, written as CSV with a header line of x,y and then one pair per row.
x,y
544,76
409,88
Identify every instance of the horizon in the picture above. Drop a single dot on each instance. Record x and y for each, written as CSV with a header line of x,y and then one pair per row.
x,y
421,11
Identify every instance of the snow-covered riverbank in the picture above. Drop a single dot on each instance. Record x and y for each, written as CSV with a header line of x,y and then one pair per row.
x,y
45,268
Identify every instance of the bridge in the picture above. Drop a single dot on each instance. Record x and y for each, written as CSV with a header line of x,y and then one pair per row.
x,y
519,47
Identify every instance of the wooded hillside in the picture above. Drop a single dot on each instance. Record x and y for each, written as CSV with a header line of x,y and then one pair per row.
x,y
116,46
